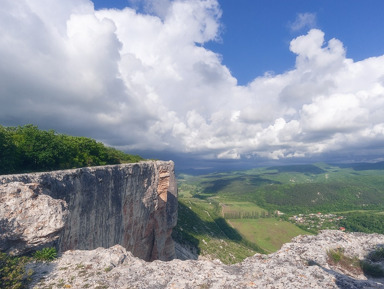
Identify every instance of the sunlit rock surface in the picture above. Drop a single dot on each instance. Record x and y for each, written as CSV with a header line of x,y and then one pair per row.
x,y
29,218
133,205
299,264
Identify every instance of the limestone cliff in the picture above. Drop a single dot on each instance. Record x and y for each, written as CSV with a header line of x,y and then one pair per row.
x,y
133,205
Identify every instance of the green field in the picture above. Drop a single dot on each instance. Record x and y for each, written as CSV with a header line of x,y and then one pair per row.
x,y
232,215
268,233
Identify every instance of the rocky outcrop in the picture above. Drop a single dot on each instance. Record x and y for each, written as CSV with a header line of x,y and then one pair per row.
x,y
300,264
29,218
133,205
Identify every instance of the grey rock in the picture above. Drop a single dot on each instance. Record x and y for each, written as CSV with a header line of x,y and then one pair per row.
x,y
184,252
134,205
287,268
29,217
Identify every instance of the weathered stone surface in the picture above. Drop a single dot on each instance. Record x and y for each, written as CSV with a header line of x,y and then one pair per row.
x,y
134,205
29,217
286,269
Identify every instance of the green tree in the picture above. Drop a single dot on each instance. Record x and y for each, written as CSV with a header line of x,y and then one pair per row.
x,y
26,148
8,152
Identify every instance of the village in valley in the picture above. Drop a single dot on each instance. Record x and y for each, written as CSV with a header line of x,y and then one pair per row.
x,y
317,221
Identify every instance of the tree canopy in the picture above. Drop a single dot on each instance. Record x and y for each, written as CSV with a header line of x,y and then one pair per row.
x,y
27,149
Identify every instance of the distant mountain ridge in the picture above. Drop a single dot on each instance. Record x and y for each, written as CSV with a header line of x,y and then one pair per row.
x,y
313,169
363,166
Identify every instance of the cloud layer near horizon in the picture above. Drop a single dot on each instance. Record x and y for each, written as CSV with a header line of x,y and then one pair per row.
x,y
146,82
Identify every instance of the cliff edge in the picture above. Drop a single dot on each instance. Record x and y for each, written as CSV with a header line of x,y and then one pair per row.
x,y
301,264
133,205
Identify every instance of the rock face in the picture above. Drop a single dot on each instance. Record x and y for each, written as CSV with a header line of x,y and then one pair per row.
x,y
29,218
299,264
133,205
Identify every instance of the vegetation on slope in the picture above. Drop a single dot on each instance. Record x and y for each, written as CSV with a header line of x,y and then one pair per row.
x,y
366,222
201,228
269,206
369,266
27,149
13,272
288,189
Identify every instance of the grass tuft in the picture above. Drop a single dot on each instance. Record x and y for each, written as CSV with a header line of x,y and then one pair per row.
x,y
338,258
46,254
356,266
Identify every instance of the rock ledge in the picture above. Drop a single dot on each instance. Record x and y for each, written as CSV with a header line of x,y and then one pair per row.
x,y
286,269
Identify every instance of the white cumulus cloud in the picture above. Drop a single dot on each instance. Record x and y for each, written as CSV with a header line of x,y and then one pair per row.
x,y
146,82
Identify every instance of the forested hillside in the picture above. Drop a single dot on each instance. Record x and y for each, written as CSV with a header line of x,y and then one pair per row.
x,y
28,149
269,206
302,188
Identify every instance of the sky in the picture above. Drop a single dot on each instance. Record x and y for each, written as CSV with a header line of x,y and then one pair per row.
x,y
203,82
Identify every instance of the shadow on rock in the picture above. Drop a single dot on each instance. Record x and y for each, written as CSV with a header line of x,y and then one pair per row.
x,y
344,281
40,271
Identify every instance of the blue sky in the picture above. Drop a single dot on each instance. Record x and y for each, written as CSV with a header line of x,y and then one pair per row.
x,y
204,82
255,35
262,30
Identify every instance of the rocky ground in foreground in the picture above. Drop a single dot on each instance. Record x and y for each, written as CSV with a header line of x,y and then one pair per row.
x,y
303,263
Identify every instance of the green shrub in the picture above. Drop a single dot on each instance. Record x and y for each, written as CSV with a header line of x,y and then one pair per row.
x,y
335,255
374,270
377,255
107,269
12,269
370,268
46,254
12,272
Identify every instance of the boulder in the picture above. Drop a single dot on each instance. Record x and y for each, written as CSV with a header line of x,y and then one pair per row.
x,y
29,218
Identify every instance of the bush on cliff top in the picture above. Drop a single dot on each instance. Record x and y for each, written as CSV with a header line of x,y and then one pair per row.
x,y
46,254
369,267
27,149
13,273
